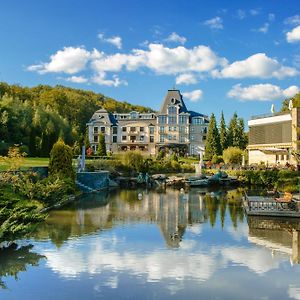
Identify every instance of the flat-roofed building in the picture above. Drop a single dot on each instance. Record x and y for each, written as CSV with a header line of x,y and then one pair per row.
x,y
273,139
173,128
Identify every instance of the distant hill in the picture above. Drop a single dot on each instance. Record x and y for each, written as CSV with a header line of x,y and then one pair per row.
x,y
35,117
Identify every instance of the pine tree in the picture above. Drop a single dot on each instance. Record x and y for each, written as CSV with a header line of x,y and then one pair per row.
x,y
223,132
233,132
101,145
212,146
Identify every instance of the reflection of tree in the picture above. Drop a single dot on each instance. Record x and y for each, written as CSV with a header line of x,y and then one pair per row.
x,y
14,260
223,205
212,206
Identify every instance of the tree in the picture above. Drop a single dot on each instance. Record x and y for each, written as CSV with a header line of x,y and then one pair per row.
x,y
233,155
101,145
60,162
236,136
223,132
212,145
295,101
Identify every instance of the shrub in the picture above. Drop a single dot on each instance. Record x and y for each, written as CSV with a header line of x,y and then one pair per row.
x,y
134,160
60,163
101,145
216,159
233,155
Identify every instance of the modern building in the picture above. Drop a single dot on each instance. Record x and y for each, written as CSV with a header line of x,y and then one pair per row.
x,y
174,128
274,139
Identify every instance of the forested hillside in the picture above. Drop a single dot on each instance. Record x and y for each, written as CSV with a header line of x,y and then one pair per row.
x,y
35,117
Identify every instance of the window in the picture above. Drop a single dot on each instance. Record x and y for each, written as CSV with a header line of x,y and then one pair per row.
x,y
197,121
192,129
192,137
192,149
182,129
162,139
124,129
204,129
182,139
96,139
96,130
124,137
162,119
172,120
151,139
114,139
282,157
172,110
142,138
115,130
151,129
142,129
182,119
161,129
132,129
287,157
204,138
102,129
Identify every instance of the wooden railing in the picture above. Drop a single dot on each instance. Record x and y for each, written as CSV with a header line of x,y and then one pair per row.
x,y
271,205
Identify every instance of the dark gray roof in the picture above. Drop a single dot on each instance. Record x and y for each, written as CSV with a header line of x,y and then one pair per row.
x,y
173,94
194,114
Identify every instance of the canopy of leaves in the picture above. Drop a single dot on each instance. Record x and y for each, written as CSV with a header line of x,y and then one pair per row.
x,y
213,145
38,116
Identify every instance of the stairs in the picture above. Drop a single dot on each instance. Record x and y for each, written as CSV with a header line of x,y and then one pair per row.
x,y
84,187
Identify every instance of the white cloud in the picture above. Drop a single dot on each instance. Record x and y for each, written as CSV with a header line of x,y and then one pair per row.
x,y
261,92
258,65
100,79
254,12
241,14
271,17
77,79
70,60
264,28
194,96
293,20
214,23
176,38
294,35
114,40
186,78
161,60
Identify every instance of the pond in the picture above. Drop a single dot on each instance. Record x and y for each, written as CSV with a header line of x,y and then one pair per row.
x,y
138,244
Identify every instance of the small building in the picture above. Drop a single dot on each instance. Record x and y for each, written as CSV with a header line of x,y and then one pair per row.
x,y
174,128
273,139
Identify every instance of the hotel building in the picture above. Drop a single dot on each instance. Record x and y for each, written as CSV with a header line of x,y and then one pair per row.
x,y
173,128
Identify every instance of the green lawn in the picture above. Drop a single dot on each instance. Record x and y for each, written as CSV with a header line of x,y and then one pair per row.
x,y
30,162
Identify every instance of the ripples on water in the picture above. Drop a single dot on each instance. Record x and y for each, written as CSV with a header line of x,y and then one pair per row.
x,y
193,245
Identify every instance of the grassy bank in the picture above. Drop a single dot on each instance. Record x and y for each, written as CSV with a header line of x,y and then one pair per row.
x,y
28,162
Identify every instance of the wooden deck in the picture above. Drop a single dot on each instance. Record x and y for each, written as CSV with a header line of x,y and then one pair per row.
x,y
268,206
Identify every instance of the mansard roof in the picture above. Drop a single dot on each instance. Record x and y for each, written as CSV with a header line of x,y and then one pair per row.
x,y
173,97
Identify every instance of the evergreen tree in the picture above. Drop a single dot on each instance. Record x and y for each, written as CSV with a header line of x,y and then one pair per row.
x,y
233,132
212,145
101,145
60,162
223,132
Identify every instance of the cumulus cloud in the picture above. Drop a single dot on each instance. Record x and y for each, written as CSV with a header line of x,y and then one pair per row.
x,y
101,79
186,78
258,65
214,23
254,12
294,35
261,92
293,20
161,60
194,96
70,60
77,79
114,40
176,38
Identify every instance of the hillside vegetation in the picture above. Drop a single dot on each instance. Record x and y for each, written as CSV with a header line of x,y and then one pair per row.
x,y
36,117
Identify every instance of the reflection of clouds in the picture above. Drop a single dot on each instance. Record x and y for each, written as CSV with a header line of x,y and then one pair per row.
x,y
294,292
257,260
101,256
195,229
240,233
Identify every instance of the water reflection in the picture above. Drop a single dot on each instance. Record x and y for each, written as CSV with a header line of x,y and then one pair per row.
x,y
166,245
14,259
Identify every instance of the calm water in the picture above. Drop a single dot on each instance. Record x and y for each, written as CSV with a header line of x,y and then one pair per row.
x,y
194,245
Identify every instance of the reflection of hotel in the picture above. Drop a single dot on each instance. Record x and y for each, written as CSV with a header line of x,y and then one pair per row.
x,y
280,236
172,212
273,138
173,127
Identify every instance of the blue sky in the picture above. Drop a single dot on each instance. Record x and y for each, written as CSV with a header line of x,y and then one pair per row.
x,y
233,55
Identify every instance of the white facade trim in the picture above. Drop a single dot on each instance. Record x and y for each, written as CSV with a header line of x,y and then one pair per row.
x,y
268,120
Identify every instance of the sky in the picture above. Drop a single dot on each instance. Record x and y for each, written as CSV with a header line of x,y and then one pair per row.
x,y
235,56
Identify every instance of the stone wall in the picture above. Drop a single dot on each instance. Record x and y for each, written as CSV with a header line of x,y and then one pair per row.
x,y
92,181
